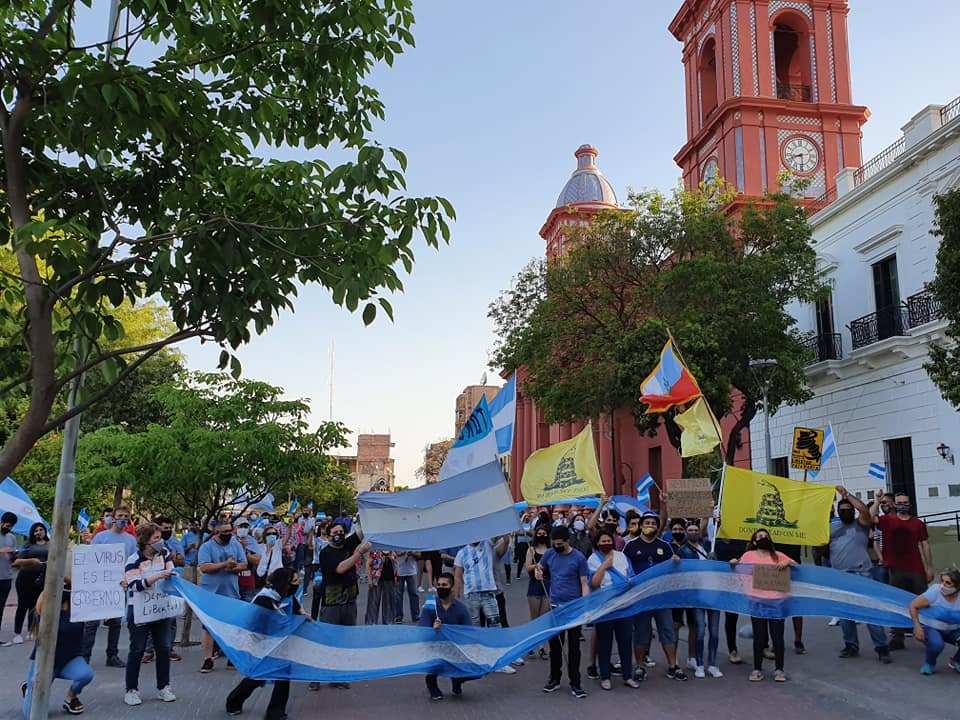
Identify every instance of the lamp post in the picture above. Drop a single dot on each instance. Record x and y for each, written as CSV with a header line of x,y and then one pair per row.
x,y
765,389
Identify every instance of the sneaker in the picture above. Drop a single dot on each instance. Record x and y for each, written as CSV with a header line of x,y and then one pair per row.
x,y
617,668
551,686
700,672
73,705
927,669
544,655
883,655
834,621
649,662
734,658
640,674
456,686
166,694
779,676
507,670
115,662
606,685
132,697
577,692
420,589
207,665
954,665
436,695
799,648
691,664
675,673
233,713
5,643
768,654
314,687
849,652
18,639
519,662
175,656
714,672
147,658
592,672
631,683
756,676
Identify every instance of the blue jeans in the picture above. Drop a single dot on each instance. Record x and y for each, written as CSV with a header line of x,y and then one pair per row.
x,y
410,583
849,628
937,640
711,619
487,602
77,671
159,630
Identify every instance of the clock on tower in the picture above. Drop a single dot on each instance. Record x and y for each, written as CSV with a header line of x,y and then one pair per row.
x,y
767,90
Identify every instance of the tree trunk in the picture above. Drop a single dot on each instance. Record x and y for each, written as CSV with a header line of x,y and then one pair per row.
x,y
736,432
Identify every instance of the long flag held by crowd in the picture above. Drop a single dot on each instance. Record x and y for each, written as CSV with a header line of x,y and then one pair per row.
x,y
503,411
14,498
795,513
670,383
562,471
473,505
269,645
476,445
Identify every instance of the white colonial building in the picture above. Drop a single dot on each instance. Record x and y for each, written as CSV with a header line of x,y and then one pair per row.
x,y
869,341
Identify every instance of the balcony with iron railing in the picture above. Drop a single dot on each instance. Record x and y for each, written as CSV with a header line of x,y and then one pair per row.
x,y
887,322
797,93
923,307
950,111
826,346
880,162
821,202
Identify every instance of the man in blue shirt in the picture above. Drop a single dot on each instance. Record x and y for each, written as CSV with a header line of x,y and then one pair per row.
x,y
644,550
221,560
568,581
116,534
448,611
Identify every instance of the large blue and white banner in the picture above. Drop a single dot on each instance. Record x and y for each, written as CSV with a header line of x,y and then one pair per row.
x,y
266,644
473,505
14,498
503,412
475,446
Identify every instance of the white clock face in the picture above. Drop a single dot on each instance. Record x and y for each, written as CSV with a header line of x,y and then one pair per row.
x,y
801,155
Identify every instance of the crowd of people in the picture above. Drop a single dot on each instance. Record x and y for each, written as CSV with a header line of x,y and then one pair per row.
x,y
564,552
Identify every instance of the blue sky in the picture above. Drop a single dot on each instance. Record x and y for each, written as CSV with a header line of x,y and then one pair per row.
x,y
489,108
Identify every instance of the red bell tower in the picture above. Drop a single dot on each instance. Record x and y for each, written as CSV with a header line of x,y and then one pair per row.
x,y
767,90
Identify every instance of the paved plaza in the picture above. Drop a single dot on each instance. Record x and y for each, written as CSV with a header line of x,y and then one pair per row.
x,y
821,687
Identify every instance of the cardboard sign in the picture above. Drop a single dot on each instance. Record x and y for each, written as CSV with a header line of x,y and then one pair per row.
x,y
690,498
770,577
154,604
807,448
95,577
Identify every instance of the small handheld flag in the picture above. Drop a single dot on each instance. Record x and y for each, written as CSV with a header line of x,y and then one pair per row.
x,y
643,489
878,471
829,450
293,507
430,602
83,520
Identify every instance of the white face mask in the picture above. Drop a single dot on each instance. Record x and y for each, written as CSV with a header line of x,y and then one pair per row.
x,y
948,591
578,525
243,532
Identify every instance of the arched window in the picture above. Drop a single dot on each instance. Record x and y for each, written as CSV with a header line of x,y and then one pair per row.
x,y
708,78
791,57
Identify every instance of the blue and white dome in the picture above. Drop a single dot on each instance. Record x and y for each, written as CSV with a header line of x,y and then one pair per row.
x,y
587,185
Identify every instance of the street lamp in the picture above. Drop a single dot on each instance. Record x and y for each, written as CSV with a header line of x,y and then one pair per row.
x,y
765,388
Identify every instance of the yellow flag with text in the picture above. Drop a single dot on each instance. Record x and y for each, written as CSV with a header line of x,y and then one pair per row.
x,y
795,513
700,434
564,471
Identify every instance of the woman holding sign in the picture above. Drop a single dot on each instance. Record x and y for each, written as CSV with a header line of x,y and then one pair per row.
x,y
761,551
148,566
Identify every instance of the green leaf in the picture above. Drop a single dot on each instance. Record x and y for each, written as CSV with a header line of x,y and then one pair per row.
x,y
369,313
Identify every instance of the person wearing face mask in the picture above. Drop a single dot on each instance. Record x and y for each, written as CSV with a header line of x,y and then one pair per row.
x,y
644,550
849,540
175,548
579,537
608,566
941,596
278,591
447,611
677,537
8,545
271,555
221,560
537,601
703,620
606,517
117,533
338,566
762,551
145,568
246,580
32,563
906,554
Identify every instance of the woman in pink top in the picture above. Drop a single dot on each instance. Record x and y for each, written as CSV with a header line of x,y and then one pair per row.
x,y
761,551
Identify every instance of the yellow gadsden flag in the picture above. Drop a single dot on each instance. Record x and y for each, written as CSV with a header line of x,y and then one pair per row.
x,y
795,513
700,434
563,471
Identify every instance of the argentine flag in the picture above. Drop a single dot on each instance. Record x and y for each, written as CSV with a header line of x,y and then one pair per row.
x,y
643,489
475,446
503,412
829,450
83,520
14,498
878,471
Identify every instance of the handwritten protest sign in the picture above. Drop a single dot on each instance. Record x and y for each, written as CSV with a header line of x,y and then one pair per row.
x,y
770,577
96,574
154,604
690,497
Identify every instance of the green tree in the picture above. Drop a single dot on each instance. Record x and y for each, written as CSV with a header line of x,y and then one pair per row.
x,y
944,364
221,439
679,264
130,169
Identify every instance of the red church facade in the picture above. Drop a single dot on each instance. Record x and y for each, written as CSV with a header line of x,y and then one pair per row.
x,y
767,91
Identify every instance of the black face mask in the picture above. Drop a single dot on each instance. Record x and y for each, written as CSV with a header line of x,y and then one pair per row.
x,y
337,539
846,516
4,530
558,549
541,540
444,592
166,534
765,544
224,538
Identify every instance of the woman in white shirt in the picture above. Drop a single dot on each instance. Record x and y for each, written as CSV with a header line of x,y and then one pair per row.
x,y
942,596
609,566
